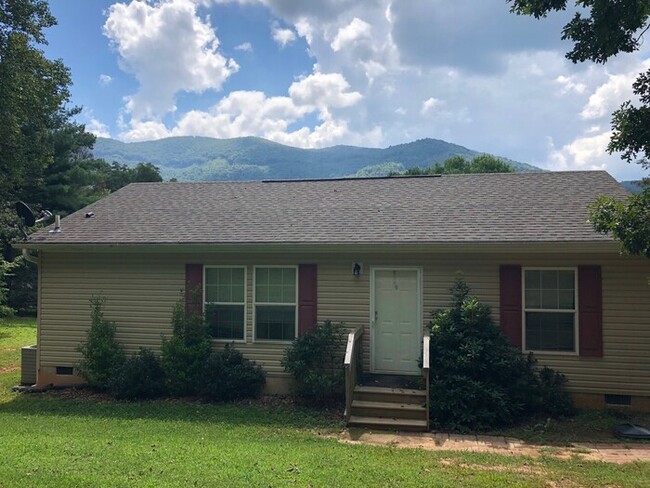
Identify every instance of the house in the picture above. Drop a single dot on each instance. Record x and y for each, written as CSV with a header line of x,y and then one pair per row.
x,y
271,258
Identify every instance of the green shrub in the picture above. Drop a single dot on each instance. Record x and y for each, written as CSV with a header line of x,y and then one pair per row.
x,y
316,362
478,380
103,356
229,376
549,402
141,377
6,267
185,353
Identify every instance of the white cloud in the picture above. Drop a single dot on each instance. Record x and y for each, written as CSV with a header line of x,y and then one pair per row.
x,y
357,29
429,105
246,113
585,152
569,85
105,80
324,90
97,128
244,46
169,49
609,96
281,35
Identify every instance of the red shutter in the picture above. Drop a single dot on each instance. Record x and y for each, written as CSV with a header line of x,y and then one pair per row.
x,y
510,300
307,297
590,311
193,289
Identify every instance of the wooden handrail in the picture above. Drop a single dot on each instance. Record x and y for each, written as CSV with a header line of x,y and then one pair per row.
x,y
352,351
425,371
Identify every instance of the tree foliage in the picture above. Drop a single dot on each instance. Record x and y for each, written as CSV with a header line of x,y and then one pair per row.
x,y
454,165
45,156
599,30
103,356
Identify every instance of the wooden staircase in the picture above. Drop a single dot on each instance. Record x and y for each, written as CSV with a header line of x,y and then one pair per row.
x,y
377,407
387,402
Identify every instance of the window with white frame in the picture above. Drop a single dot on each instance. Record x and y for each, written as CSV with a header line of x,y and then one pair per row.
x,y
276,297
225,301
550,309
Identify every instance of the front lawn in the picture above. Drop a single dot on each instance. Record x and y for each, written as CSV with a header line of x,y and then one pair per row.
x,y
60,439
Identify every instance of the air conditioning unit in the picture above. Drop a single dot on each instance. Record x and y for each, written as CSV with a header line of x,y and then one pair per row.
x,y
28,365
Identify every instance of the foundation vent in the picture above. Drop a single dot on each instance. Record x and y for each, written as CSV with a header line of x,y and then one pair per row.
x,y
618,400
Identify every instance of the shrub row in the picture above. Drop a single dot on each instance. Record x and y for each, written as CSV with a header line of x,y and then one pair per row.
x,y
188,366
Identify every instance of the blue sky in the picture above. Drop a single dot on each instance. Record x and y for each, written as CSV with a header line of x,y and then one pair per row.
x,y
362,72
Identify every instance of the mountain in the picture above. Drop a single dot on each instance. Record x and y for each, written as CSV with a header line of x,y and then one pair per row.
x,y
633,186
252,158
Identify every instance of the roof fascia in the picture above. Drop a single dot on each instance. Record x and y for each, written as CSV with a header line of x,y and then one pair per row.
x,y
336,248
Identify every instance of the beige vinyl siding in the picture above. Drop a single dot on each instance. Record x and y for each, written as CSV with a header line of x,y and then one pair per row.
x,y
141,290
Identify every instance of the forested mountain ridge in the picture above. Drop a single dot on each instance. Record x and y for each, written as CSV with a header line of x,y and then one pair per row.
x,y
252,158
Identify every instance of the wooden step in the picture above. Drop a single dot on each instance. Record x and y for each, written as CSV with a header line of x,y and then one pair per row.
x,y
362,408
386,423
389,395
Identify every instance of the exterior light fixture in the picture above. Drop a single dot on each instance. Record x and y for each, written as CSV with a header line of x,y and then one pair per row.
x,y
357,268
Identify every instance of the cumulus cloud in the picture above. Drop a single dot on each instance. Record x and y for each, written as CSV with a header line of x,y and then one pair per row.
x,y
97,128
324,90
246,113
282,36
105,80
357,29
169,49
609,96
244,46
429,105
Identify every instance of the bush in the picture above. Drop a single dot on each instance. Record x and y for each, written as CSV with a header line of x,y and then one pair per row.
x,y
478,380
141,377
5,271
185,354
103,357
229,376
316,362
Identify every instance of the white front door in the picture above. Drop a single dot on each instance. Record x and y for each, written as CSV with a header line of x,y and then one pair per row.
x,y
396,318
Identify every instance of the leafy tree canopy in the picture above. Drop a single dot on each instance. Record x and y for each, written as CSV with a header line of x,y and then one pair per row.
x,y
45,157
484,163
599,30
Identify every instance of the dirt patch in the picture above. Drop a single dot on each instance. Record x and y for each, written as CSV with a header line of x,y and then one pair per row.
x,y
9,369
507,446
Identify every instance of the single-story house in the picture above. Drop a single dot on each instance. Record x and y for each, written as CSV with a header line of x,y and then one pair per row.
x,y
272,258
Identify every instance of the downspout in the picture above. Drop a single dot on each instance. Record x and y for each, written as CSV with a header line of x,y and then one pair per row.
x,y
32,258
36,259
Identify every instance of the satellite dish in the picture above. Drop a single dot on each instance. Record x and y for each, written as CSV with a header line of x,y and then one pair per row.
x,y
27,217
25,213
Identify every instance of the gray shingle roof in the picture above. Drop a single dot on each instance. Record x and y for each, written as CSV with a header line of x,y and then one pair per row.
x,y
516,207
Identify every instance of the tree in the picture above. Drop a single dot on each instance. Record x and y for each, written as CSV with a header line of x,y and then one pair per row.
x,y
455,165
45,157
599,30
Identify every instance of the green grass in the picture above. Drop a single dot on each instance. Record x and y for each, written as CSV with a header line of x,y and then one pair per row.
x,y
588,426
66,439
14,333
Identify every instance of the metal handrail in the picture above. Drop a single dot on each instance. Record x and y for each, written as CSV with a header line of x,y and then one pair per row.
x,y
352,351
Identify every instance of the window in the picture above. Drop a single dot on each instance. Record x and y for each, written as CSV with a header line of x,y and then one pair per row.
x,y
550,310
225,301
275,303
